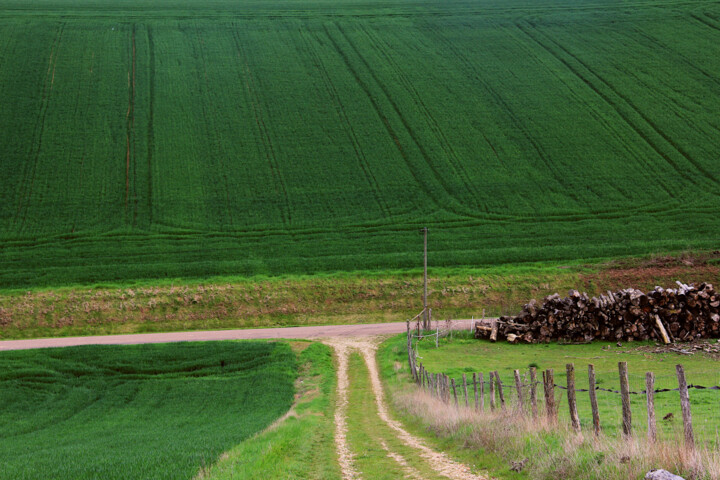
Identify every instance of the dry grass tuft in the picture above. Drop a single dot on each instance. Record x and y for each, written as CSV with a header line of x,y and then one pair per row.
x,y
555,451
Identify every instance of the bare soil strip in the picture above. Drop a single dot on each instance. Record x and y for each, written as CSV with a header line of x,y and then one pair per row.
x,y
345,456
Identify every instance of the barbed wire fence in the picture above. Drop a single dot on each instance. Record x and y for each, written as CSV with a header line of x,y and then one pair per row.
x,y
594,401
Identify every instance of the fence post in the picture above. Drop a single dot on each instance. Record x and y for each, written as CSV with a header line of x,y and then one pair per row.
x,y
518,387
492,391
447,388
572,404
593,399
650,398
467,404
441,386
625,392
549,389
533,391
452,381
500,390
482,393
475,388
411,363
685,405
421,376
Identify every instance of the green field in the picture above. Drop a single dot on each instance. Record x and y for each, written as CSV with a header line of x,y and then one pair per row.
x,y
181,138
150,411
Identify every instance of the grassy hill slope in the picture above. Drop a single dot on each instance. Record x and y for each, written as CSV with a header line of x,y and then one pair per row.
x,y
184,139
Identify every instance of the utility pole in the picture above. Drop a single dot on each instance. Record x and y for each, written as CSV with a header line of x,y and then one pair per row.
x,y
426,316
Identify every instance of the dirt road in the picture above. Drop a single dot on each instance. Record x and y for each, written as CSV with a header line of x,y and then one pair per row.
x,y
324,331
413,457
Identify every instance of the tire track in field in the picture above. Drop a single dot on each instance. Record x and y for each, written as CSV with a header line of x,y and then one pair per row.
x,y
386,123
255,104
442,140
151,122
210,130
705,22
411,12
626,101
130,133
352,136
449,202
77,216
604,122
656,43
472,72
26,188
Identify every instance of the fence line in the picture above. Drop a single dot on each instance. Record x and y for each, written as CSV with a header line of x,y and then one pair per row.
x,y
446,388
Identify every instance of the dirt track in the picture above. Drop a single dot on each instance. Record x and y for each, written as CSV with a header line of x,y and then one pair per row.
x,y
325,331
442,465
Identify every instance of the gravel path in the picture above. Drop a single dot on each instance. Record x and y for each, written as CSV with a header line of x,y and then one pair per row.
x,y
345,456
324,331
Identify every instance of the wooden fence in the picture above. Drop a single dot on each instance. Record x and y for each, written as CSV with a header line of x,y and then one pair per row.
x,y
446,389
471,391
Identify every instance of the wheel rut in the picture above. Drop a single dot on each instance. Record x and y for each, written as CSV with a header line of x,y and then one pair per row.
x,y
437,464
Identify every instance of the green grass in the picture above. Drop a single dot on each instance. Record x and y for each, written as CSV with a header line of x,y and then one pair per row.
x,y
146,140
394,374
302,446
370,438
497,440
145,411
466,355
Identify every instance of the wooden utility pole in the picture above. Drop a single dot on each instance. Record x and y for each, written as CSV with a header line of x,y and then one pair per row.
x,y
426,317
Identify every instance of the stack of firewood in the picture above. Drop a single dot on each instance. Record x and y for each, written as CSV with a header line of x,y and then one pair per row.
x,y
679,314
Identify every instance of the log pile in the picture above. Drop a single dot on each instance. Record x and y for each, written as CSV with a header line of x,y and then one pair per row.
x,y
679,314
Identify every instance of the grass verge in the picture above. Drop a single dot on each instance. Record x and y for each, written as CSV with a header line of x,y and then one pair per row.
x,y
364,297
301,445
393,370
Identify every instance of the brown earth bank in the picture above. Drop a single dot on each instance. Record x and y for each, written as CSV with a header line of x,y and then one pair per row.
x,y
342,299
